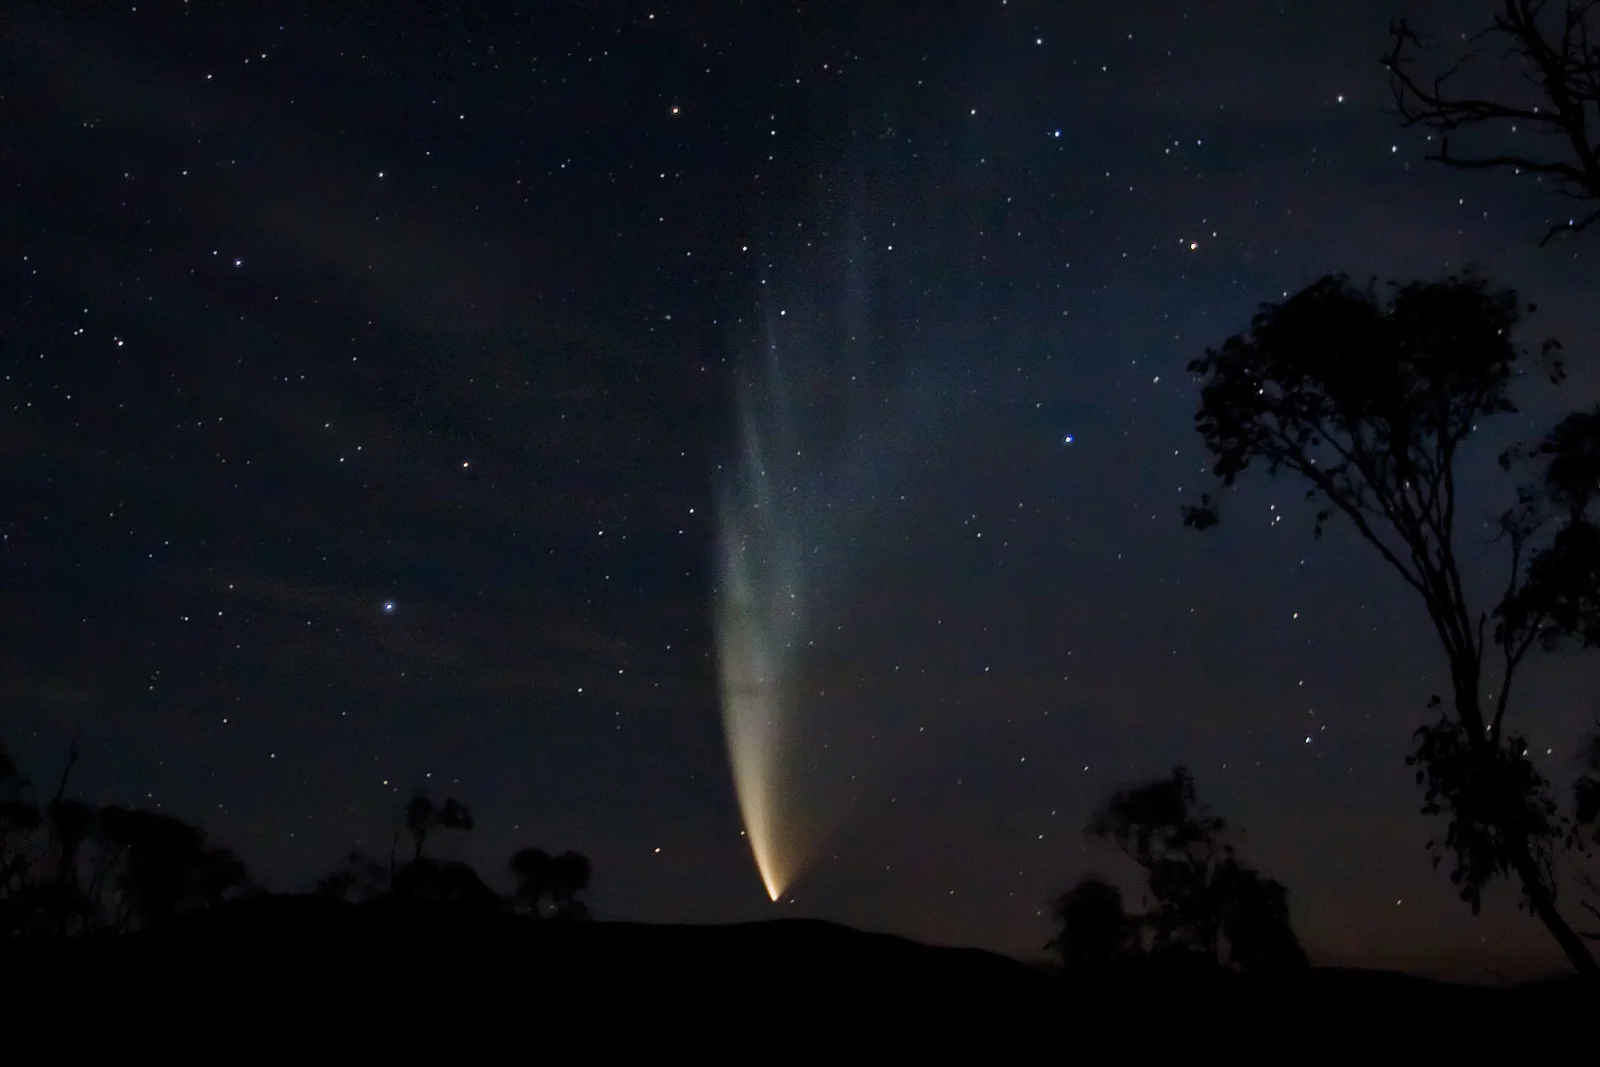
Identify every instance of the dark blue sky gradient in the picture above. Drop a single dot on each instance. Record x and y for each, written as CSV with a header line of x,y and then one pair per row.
x,y
310,307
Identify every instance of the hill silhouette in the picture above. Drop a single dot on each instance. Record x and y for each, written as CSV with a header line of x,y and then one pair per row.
x,y
391,937
311,952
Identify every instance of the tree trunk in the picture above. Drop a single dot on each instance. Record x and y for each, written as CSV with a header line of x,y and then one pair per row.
x,y
1544,906
1540,896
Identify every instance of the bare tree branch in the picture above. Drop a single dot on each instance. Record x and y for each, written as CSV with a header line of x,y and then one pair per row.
x,y
66,773
1558,61
1573,226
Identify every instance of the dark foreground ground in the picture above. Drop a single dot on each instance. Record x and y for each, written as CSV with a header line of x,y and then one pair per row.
x,y
289,959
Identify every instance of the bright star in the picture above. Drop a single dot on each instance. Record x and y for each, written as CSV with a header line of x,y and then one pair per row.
x,y
388,607
1067,440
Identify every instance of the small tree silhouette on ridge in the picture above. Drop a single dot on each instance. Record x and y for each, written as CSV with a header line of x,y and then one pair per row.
x,y
1202,901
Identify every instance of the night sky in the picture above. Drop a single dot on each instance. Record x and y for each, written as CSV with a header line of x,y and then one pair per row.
x,y
370,374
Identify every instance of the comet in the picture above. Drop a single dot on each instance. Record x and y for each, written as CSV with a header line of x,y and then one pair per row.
x,y
762,597
825,434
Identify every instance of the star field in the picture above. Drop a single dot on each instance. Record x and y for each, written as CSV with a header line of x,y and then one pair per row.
x,y
370,370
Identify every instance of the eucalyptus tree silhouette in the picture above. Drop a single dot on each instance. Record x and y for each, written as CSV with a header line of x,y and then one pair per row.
x,y
1202,901
1369,404
1546,81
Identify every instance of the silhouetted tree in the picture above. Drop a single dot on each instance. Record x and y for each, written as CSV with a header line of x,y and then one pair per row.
x,y
440,881
1097,936
546,886
164,867
1551,86
1162,826
1545,112
447,882
1369,404
72,824
68,867
19,820
360,878
1586,798
1255,921
337,884
569,876
1560,598
530,868
422,816
541,879
1202,900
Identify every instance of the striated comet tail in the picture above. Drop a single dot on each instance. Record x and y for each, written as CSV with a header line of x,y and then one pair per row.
x,y
821,436
758,618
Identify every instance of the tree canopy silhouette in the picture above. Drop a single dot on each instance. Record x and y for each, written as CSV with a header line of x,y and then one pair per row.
x,y
1369,403
164,866
423,817
359,879
1545,113
1202,901
67,867
545,886
447,882
1097,935
1586,804
1559,86
549,885
1560,599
